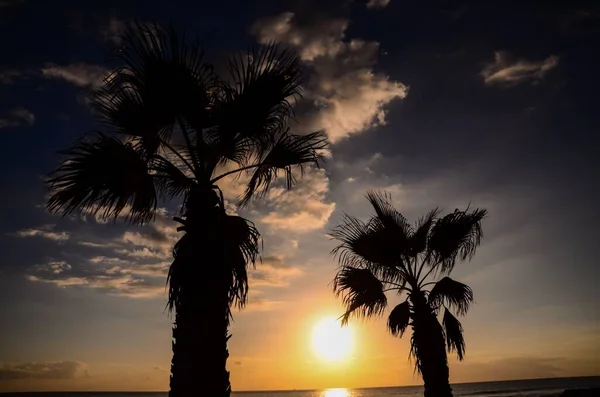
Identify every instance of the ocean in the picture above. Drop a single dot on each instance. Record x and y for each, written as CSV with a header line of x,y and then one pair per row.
x,y
514,388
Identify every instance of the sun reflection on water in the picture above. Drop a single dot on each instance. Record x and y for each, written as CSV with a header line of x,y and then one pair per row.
x,y
336,393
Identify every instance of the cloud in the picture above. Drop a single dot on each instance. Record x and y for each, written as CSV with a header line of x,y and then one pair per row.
x,y
507,71
50,370
302,209
114,281
154,240
56,267
46,231
347,95
378,3
7,76
113,30
142,253
132,265
273,271
16,117
92,244
523,368
260,305
79,74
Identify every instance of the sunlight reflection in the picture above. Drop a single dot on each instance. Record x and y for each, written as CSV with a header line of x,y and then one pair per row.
x,y
336,393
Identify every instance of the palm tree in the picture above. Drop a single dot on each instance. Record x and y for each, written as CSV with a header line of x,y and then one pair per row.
x,y
173,130
389,254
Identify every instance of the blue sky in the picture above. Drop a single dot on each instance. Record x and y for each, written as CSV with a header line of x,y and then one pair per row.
x,y
440,104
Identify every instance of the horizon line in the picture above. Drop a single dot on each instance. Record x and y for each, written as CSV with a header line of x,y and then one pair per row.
x,y
288,390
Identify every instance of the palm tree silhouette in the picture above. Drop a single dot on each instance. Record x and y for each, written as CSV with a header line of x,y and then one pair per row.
x,y
174,129
388,254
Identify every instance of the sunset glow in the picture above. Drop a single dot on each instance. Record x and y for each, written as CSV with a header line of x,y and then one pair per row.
x,y
331,341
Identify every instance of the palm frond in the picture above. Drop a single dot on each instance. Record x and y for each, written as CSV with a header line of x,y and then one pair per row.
x,y
362,293
243,240
418,240
164,80
103,175
391,227
413,354
179,272
258,103
125,113
218,150
290,151
399,319
454,334
457,234
169,180
389,218
365,246
453,294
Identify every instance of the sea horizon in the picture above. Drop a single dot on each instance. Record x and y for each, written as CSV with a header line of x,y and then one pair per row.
x,y
589,381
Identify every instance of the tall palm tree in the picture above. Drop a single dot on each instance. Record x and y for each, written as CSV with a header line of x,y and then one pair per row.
x,y
389,254
173,130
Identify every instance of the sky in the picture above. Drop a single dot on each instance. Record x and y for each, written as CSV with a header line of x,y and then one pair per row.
x,y
438,103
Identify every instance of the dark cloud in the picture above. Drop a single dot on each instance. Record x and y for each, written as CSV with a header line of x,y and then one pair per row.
x,y
523,368
51,370
17,116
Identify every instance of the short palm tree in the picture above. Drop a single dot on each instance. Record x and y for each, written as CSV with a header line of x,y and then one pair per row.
x,y
174,129
389,254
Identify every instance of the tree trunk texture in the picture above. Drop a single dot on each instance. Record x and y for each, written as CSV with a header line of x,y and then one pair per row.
x,y
200,331
430,349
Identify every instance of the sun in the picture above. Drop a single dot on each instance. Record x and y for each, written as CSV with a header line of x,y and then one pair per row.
x,y
331,341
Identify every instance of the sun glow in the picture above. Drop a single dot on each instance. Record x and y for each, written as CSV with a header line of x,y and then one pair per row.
x,y
336,393
331,341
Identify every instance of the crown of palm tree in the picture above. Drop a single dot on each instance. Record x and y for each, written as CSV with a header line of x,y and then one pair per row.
x,y
389,254
173,125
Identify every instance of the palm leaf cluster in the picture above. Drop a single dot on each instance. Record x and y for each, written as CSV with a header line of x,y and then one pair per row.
x,y
172,126
387,253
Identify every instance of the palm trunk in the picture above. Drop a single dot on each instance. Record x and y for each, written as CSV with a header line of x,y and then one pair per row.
x,y
200,331
430,350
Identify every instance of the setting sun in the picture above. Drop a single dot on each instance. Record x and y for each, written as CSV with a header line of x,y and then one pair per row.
x,y
331,341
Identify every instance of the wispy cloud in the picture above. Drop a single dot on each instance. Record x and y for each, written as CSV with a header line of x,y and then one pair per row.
x,y
133,264
273,271
7,76
113,30
303,209
348,95
45,231
378,3
259,304
115,281
79,74
16,117
505,70
50,370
